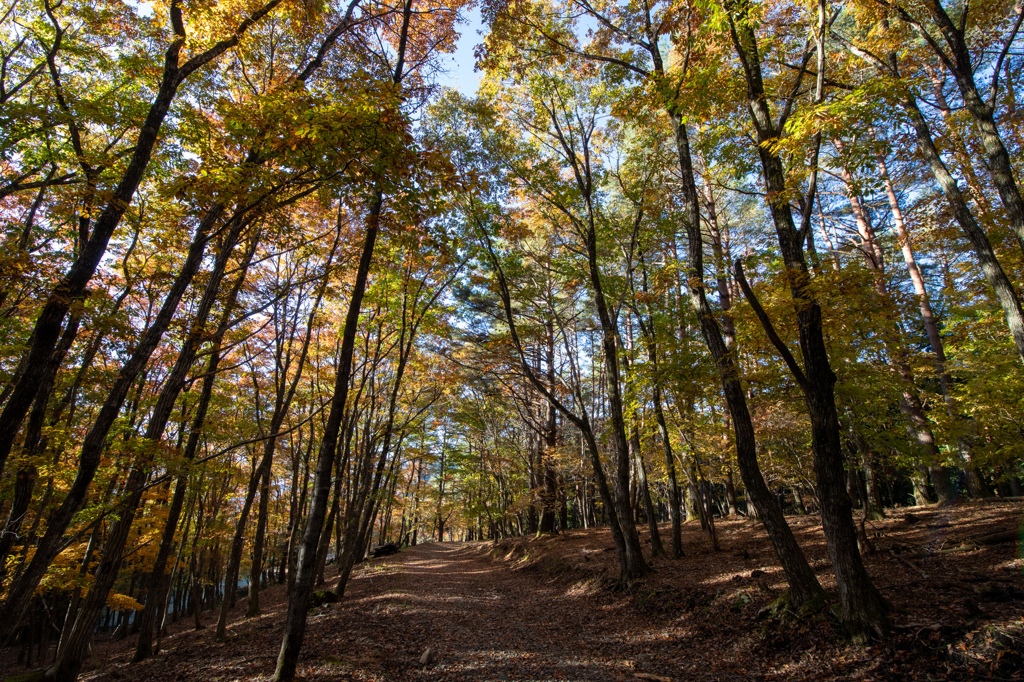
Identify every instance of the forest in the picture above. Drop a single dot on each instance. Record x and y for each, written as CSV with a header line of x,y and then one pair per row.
x,y
274,296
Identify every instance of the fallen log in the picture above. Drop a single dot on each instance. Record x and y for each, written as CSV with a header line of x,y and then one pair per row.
x,y
387,549
997,538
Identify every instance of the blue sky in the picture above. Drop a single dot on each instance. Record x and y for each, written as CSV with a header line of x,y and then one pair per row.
x,y
460,64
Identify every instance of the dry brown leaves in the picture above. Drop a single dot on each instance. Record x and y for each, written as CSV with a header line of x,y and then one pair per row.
x,y
547,609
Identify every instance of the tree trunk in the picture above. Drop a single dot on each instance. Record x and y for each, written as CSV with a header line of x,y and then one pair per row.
x,y
94,444
1005,294
157,580
670,467
252,608
997,158
864,611
910,404
24,483
72,285
730,494
549,439
657,548
804,586
635,566
298,603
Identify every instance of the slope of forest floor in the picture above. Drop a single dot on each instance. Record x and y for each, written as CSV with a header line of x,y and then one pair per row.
x,y
958,604
544,608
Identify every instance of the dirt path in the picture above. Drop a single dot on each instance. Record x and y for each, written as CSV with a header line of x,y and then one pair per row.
x,y
484,621
956,612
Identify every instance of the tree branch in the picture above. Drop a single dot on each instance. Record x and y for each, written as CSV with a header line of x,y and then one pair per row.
x,y
1002,55
769,329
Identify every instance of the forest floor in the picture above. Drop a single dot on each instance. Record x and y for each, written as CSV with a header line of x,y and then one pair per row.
x,y
545,609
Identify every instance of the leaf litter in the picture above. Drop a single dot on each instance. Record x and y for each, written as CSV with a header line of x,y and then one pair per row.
x,y
550,608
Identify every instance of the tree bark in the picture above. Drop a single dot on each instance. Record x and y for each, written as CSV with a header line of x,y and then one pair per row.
x,y
68,664
298,603
959,63
21,590
158,578
72,285
864,611
803,584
